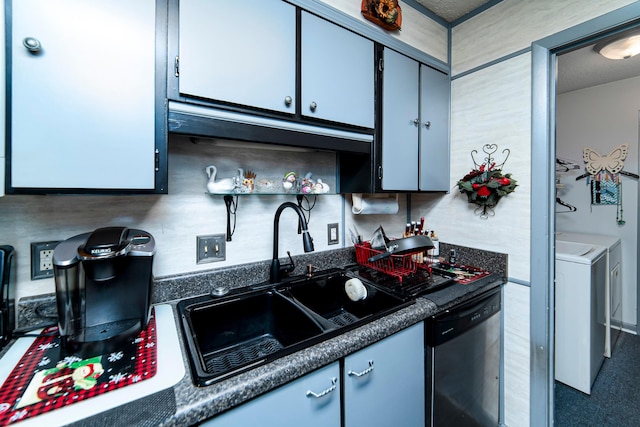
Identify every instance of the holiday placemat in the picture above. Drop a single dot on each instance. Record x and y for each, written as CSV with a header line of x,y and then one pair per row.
x,y
48,378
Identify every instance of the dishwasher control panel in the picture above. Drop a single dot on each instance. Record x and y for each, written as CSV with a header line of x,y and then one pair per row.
x,y
454,321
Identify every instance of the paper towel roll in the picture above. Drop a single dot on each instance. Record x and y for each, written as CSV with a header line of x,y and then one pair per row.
x,y
371,204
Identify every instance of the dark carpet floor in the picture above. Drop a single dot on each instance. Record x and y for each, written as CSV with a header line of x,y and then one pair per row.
x,y
615,395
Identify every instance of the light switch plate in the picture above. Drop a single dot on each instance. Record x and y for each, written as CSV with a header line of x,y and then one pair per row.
x,y
210,248
332,234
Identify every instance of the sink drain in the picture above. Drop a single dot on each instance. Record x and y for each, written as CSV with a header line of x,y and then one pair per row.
x,y
343,318
242,354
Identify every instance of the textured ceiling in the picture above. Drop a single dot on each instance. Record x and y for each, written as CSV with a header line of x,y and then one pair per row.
x,y
450,10
584,68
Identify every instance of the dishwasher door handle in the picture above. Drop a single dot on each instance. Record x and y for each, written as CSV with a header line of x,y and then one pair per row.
x,y
363,373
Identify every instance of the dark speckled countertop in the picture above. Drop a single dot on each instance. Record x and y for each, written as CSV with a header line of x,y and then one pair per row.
x,y
195,404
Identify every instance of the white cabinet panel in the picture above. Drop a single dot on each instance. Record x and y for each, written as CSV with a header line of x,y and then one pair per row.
x,y
384,384
243,52
337,73
82,108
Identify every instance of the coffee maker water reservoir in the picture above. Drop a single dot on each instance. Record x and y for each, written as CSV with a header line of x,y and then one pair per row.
x,y
103,288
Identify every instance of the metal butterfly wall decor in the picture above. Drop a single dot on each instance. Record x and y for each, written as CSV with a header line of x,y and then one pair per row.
x,y
612,163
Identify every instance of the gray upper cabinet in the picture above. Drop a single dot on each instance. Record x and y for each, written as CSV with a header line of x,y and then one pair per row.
x,y
337,73
250,59
435,92
241,52
415,126
82,96
400,122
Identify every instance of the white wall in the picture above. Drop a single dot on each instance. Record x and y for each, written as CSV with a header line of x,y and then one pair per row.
x,y
602,118
503,90
512,25
417,30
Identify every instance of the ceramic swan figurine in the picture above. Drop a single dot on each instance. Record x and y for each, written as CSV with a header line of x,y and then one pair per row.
x,y
224,185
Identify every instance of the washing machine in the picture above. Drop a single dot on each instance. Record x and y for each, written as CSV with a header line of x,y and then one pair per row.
x,y
613,286
581,271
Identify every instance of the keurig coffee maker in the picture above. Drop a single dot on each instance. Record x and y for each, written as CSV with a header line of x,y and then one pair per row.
x,y
103,286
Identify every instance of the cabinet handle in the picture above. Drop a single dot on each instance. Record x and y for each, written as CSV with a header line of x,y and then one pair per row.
x,y
416,122
363,373
310,393
427,125
32,44
287,101
313,107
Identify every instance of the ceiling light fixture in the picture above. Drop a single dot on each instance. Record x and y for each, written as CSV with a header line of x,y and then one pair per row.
x,y
621,47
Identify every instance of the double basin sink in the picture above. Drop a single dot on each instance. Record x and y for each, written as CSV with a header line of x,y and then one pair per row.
x,y
232,334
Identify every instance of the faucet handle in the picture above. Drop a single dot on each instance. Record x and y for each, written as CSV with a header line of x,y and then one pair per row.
x,y
288,268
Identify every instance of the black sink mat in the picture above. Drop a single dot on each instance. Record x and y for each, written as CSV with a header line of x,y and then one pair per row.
x,y
221,362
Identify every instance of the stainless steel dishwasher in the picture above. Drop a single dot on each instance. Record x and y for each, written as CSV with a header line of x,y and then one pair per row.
x,y
463,363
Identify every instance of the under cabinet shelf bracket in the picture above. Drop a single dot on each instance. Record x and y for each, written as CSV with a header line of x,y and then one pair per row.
x,y
228,201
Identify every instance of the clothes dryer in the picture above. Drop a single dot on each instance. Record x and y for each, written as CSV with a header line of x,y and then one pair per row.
x,y
613,285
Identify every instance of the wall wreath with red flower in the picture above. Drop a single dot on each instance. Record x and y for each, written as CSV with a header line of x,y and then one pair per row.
x,y
485,185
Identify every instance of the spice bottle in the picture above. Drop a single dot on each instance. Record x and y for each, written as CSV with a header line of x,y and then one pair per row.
x,y
435,252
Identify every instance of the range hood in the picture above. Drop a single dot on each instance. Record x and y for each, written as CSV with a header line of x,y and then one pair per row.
x,y
195,120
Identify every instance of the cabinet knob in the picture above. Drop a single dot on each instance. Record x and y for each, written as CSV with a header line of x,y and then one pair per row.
x,y
32,44
427,125
313,106
416,122
287,101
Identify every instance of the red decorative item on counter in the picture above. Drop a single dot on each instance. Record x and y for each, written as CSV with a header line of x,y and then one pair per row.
x,y
385,13
46,378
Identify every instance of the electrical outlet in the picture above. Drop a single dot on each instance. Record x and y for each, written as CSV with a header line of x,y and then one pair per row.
x,y
42,259
332,234
210,248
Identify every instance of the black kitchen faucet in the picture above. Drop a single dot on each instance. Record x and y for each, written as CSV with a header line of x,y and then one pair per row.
x,y
276,269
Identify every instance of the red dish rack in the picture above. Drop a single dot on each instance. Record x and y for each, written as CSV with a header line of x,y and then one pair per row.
x,y
395,265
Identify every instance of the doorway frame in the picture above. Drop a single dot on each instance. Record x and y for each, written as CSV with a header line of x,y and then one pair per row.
x,y
543,152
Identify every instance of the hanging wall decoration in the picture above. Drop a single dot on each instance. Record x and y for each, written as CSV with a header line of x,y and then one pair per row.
x,y
604,177
485,185
385,13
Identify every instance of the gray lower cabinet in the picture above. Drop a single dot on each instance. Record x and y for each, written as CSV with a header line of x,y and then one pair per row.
x,y
312,401
384,384
82,95
415,126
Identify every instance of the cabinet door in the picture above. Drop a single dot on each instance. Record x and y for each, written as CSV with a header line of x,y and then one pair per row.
x,y
292,405
337,73
83,106
400,120
384,383
241,51
434,130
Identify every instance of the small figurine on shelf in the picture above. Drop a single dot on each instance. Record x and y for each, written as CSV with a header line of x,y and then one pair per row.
x,y
307,184
249,181
224,185
289,180
321,187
